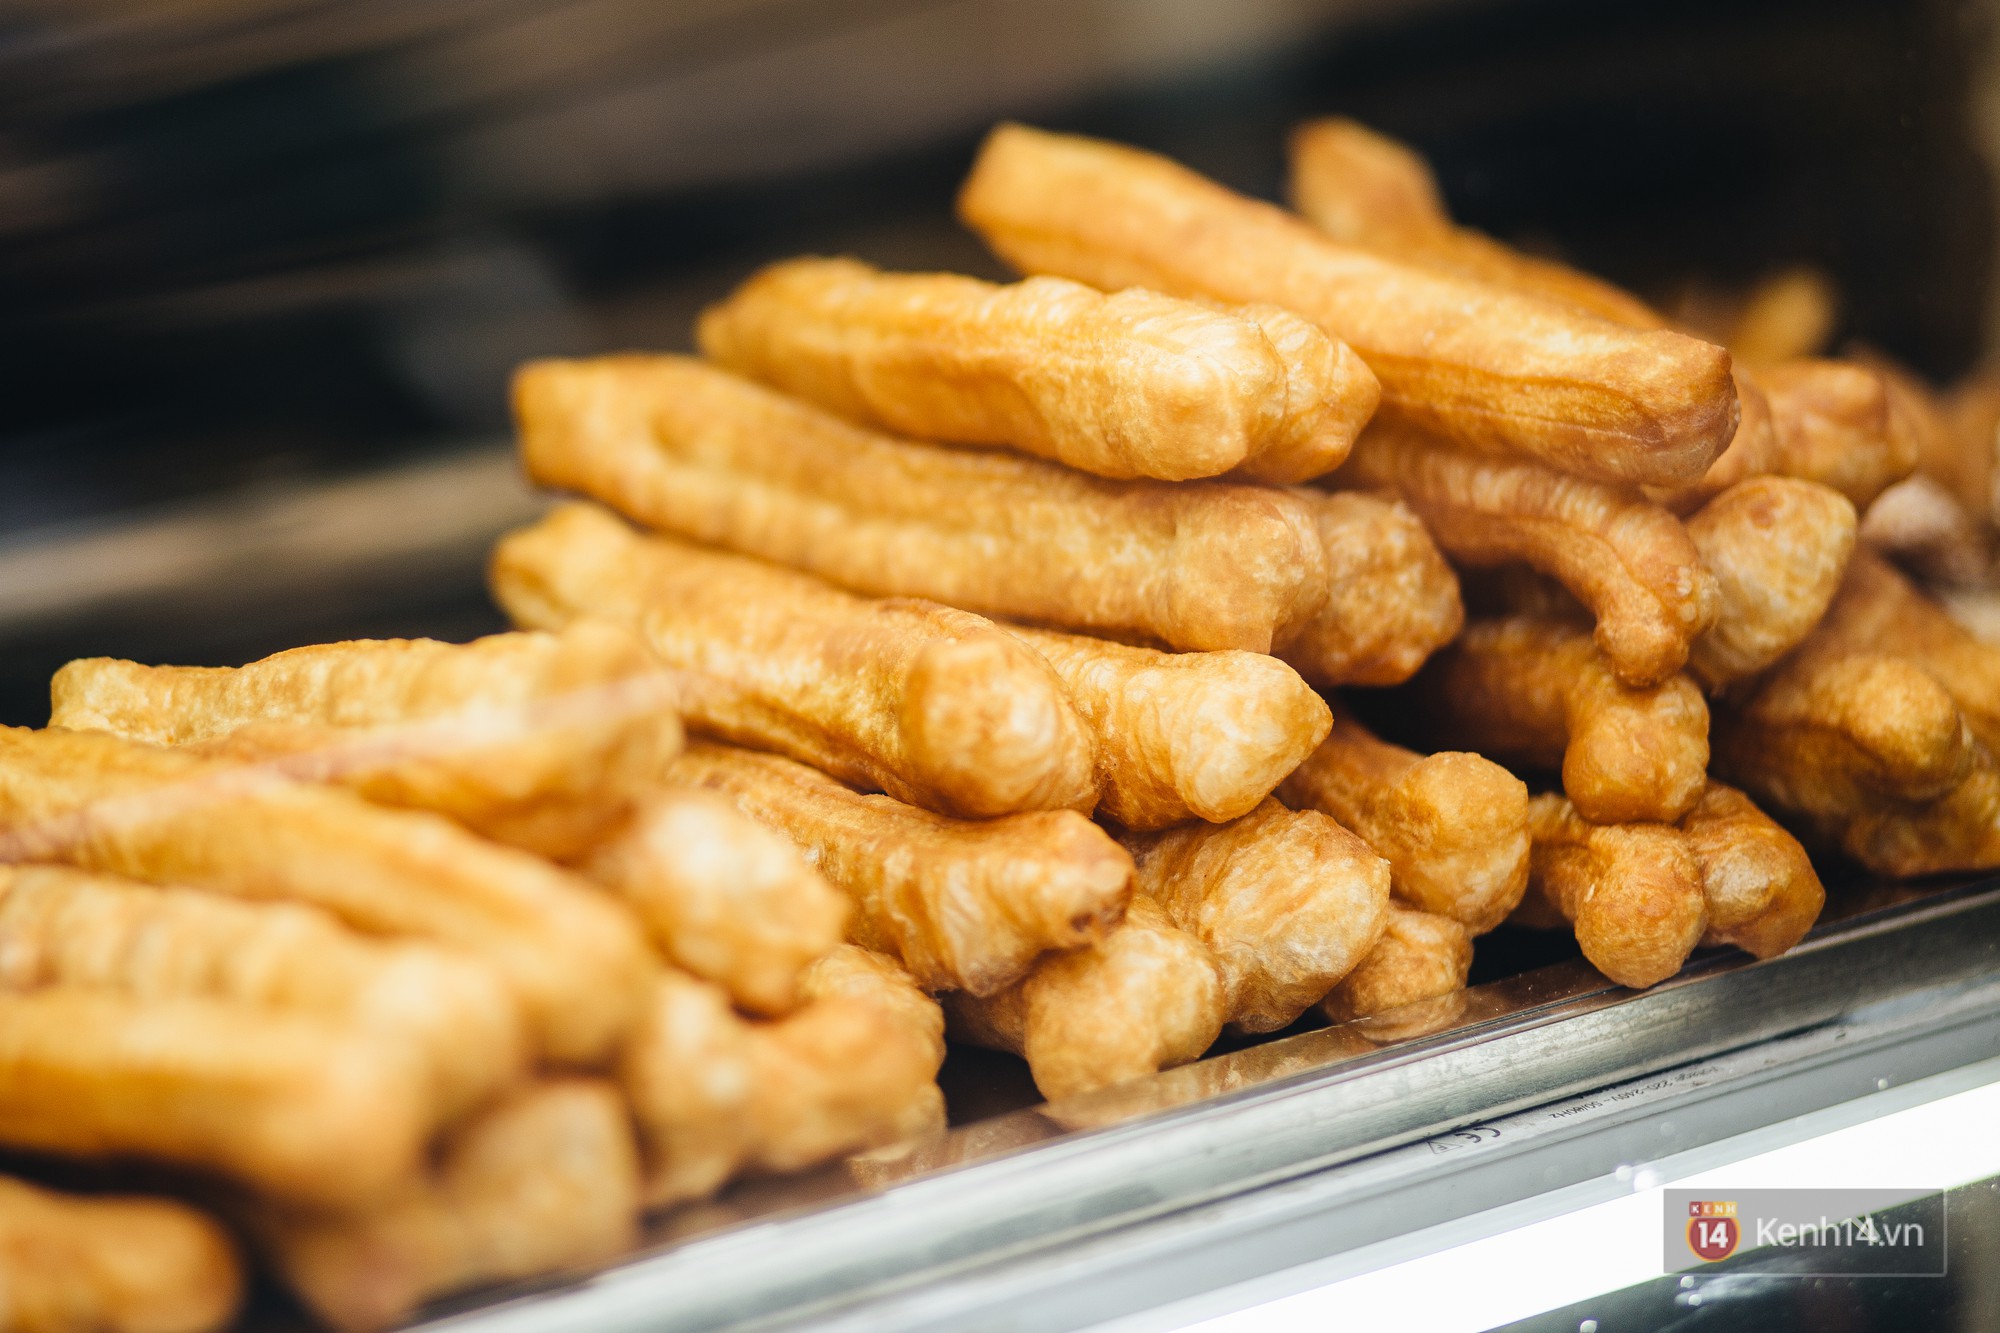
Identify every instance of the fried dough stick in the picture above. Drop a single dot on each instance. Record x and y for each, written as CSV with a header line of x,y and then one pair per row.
x,y
937,707
299,1108
1473,361
62,927
1762,892
964,905
1835,423
545,1182
702,454
530,739
1133,384
1632,891
112,1264
1420,956
1626,559
576,962
1453,826
1184,736
723,896
1537,691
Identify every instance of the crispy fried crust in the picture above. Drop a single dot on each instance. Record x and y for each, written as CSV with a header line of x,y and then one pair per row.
x,y
1763,894
1144,998
1538,692
1184,735
1132,384
1287,901
1327,388
1391,599
545,1182
964,905
723,896
704,455
1835,424
1958,831
1778,548
1474,361
1420,956
112,1264
62,927
876,978
1626,559
1453,826
934,706
576,962
321,1113
1632,891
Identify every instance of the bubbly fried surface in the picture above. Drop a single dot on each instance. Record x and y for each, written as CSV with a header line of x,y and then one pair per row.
x,y
1537,691
1420,956
965,905
1132,384
576,962
1326,389
937,707
321,1113
1763,894
1834,424
702,454
1144,998
1626,559
1184,735
1471,360
112,1264
1288,902
1391,599
63,927
1453,826
1632,891
875,978
723,896
1778,548
545,1182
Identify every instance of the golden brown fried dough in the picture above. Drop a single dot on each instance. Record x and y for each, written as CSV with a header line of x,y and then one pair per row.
x,y
937,707
1778,548
1538,692
1628,560
704,455
1958,831
62,927
1922,527
875,978
111,1264
1287,901
1146,997
1184,735
1762,892
965,905
1789,314
1421,956
532,739
723,896
1391,600
1453,826
1632,891
545,1182
1834,424
576,962
1326,386
303,1109
1133,384
1473,361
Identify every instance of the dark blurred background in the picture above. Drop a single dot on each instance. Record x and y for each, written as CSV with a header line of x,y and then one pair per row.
x,y
265,264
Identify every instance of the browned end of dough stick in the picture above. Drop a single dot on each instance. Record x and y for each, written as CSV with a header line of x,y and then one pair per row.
x,y
1329,396
723,896
1763,894
113,1264
1537,691
63,927
702,454
934,706
1288,902
875,978
1421,956
545,1182
1958,831
1629,561
1778,548
1453,826
1184,735
1475,361
1146,997
965,905
576,962
1632,891
1835,425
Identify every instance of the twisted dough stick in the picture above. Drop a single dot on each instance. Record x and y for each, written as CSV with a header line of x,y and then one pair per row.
x,y
1633,891
1421,956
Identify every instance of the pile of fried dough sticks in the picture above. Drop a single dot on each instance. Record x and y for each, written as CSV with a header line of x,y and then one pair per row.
x,y
938,638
